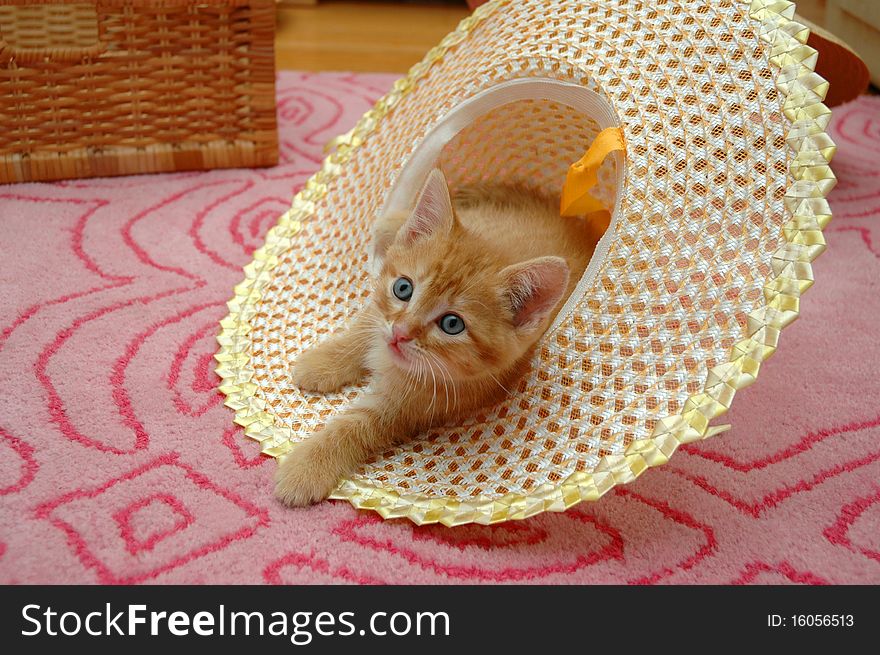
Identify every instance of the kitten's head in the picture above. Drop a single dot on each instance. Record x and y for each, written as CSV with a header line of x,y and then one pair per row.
x,y
450,301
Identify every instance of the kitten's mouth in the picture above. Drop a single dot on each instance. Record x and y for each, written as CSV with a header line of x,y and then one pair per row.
x,y
398,354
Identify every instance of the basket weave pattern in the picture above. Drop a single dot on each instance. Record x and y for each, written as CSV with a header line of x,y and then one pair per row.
x,y
118,87
529,143
720,214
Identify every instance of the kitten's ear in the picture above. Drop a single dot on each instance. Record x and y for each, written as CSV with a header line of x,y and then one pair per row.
x,y
534,288
433,210
384,232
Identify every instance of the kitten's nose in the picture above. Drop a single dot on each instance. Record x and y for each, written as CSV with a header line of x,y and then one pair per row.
x,y
399,334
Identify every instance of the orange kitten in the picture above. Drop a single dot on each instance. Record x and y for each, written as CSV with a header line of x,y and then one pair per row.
x,y
462,297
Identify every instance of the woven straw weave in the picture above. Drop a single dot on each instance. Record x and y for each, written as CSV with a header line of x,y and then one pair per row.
x,y
531,142
718,216
115,87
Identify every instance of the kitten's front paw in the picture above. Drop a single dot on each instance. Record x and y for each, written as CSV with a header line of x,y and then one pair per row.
x,y
304,477
316,370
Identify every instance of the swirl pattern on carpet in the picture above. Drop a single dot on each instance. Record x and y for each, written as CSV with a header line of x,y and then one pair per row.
x,y
119,463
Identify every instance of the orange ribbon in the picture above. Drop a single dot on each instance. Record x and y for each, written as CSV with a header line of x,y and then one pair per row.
x,y
576,197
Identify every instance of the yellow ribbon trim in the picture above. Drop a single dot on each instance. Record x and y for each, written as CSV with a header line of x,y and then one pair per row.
x,y
576,197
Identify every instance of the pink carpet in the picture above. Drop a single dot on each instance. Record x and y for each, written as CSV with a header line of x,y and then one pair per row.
x,y
119,463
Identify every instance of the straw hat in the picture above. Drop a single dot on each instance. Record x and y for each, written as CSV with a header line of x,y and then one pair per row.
x,y
718,209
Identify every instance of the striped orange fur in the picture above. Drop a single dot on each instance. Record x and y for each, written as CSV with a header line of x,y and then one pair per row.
x,y
502,260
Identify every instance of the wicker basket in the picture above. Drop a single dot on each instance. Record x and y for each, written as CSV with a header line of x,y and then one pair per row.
x,y
116,87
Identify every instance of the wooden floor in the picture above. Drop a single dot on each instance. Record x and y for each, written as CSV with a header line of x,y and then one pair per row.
x,y
382,36
361,36
812,10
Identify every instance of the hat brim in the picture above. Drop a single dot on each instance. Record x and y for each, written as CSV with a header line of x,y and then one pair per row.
x,y
615,391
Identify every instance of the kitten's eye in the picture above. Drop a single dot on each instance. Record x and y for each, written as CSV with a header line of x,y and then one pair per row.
x,y
451,324
402,288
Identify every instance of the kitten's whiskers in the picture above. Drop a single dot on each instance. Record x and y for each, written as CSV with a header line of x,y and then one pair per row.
x,y
444,370
506,390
